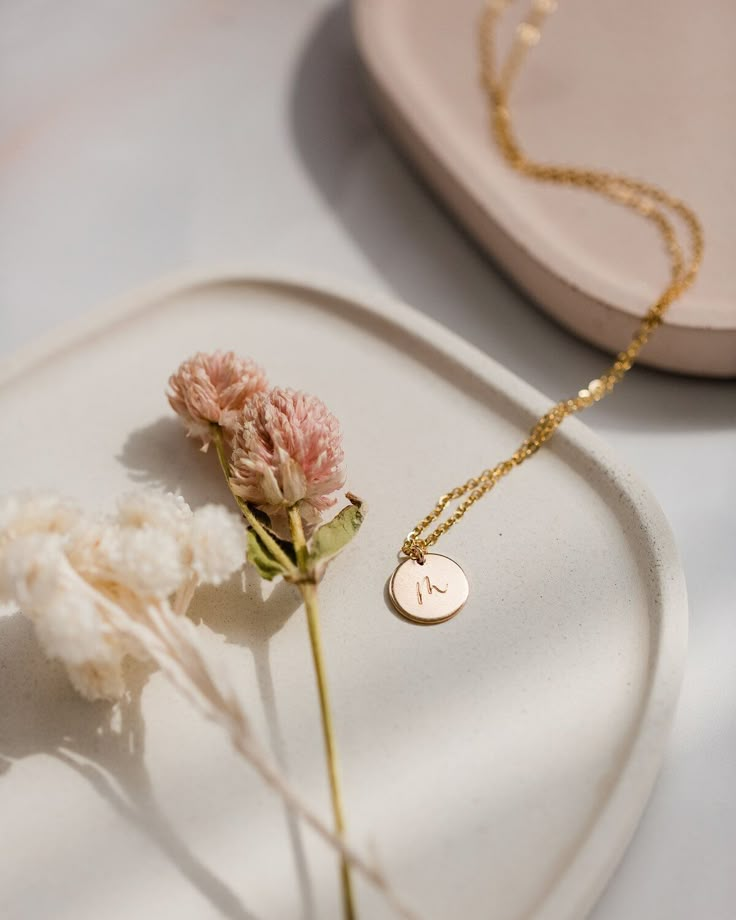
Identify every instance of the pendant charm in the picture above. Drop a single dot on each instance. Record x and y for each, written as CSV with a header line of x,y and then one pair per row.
x,y
431,592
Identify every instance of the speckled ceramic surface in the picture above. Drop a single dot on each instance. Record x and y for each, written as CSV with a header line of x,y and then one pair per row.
x,y
495,764
612,86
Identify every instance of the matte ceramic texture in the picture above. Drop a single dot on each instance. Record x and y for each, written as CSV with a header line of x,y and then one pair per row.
x,y
496,765
647,89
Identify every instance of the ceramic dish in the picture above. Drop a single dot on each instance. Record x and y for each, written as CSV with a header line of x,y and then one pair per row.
x,y
496,764
612,86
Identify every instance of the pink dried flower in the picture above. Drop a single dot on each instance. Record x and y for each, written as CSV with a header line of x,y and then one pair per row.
x,y
213,388
287,451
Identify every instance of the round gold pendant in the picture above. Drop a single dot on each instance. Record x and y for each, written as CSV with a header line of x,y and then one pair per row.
x,y
431,592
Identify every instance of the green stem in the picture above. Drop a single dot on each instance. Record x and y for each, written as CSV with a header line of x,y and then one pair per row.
x,y
266,538
300,543
308,591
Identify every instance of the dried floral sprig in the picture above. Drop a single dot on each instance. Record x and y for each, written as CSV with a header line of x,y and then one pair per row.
x,y
100,589
282,458
147,557
213,389
287,453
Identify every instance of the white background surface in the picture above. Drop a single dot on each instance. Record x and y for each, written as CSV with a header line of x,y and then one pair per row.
x,y
137,139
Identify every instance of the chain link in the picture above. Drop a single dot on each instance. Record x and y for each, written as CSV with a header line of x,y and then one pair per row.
x,y
646,199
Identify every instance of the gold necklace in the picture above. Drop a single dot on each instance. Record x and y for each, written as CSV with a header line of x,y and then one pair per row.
x,y
431,588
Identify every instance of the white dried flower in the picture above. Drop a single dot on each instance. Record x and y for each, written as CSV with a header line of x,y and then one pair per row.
x,y
34,572
86,547
147,561
29,568
163,510
69,627
101,679
217,541
36,512
93,585
95,591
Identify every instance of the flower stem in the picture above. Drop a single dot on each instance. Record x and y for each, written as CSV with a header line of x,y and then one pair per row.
x,y
297,535
308,591
245,509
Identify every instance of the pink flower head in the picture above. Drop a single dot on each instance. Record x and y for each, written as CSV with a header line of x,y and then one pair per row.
x,y
287,451
209,389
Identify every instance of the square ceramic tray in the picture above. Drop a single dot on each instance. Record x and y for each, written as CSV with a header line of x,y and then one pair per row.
x,y
496,765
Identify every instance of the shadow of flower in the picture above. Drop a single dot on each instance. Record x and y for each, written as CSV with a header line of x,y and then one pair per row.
x,y
222,609
103,742
160,455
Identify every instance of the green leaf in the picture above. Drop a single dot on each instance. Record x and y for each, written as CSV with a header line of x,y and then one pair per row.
x,y
268,567
331,538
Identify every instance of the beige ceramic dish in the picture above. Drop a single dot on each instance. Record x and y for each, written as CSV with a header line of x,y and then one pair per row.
x,y
646,88
497,764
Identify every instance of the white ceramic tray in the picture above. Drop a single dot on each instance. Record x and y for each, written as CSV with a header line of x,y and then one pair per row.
x,y
611,85
496,765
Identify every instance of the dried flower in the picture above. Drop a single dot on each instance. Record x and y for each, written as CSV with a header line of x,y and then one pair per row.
x,y
96,590
216,544
32,512
33,573
28,564
211,539
212,389
68,580
282,455
155,509
287,451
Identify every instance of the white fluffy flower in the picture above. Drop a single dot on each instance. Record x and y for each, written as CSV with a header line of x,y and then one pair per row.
x,y
86,546
69,627
217,541
147,561
34,572
29,569
163,510
92,585
100,679
38,512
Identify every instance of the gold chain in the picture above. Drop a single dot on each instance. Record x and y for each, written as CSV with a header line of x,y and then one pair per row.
x,y
652,202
